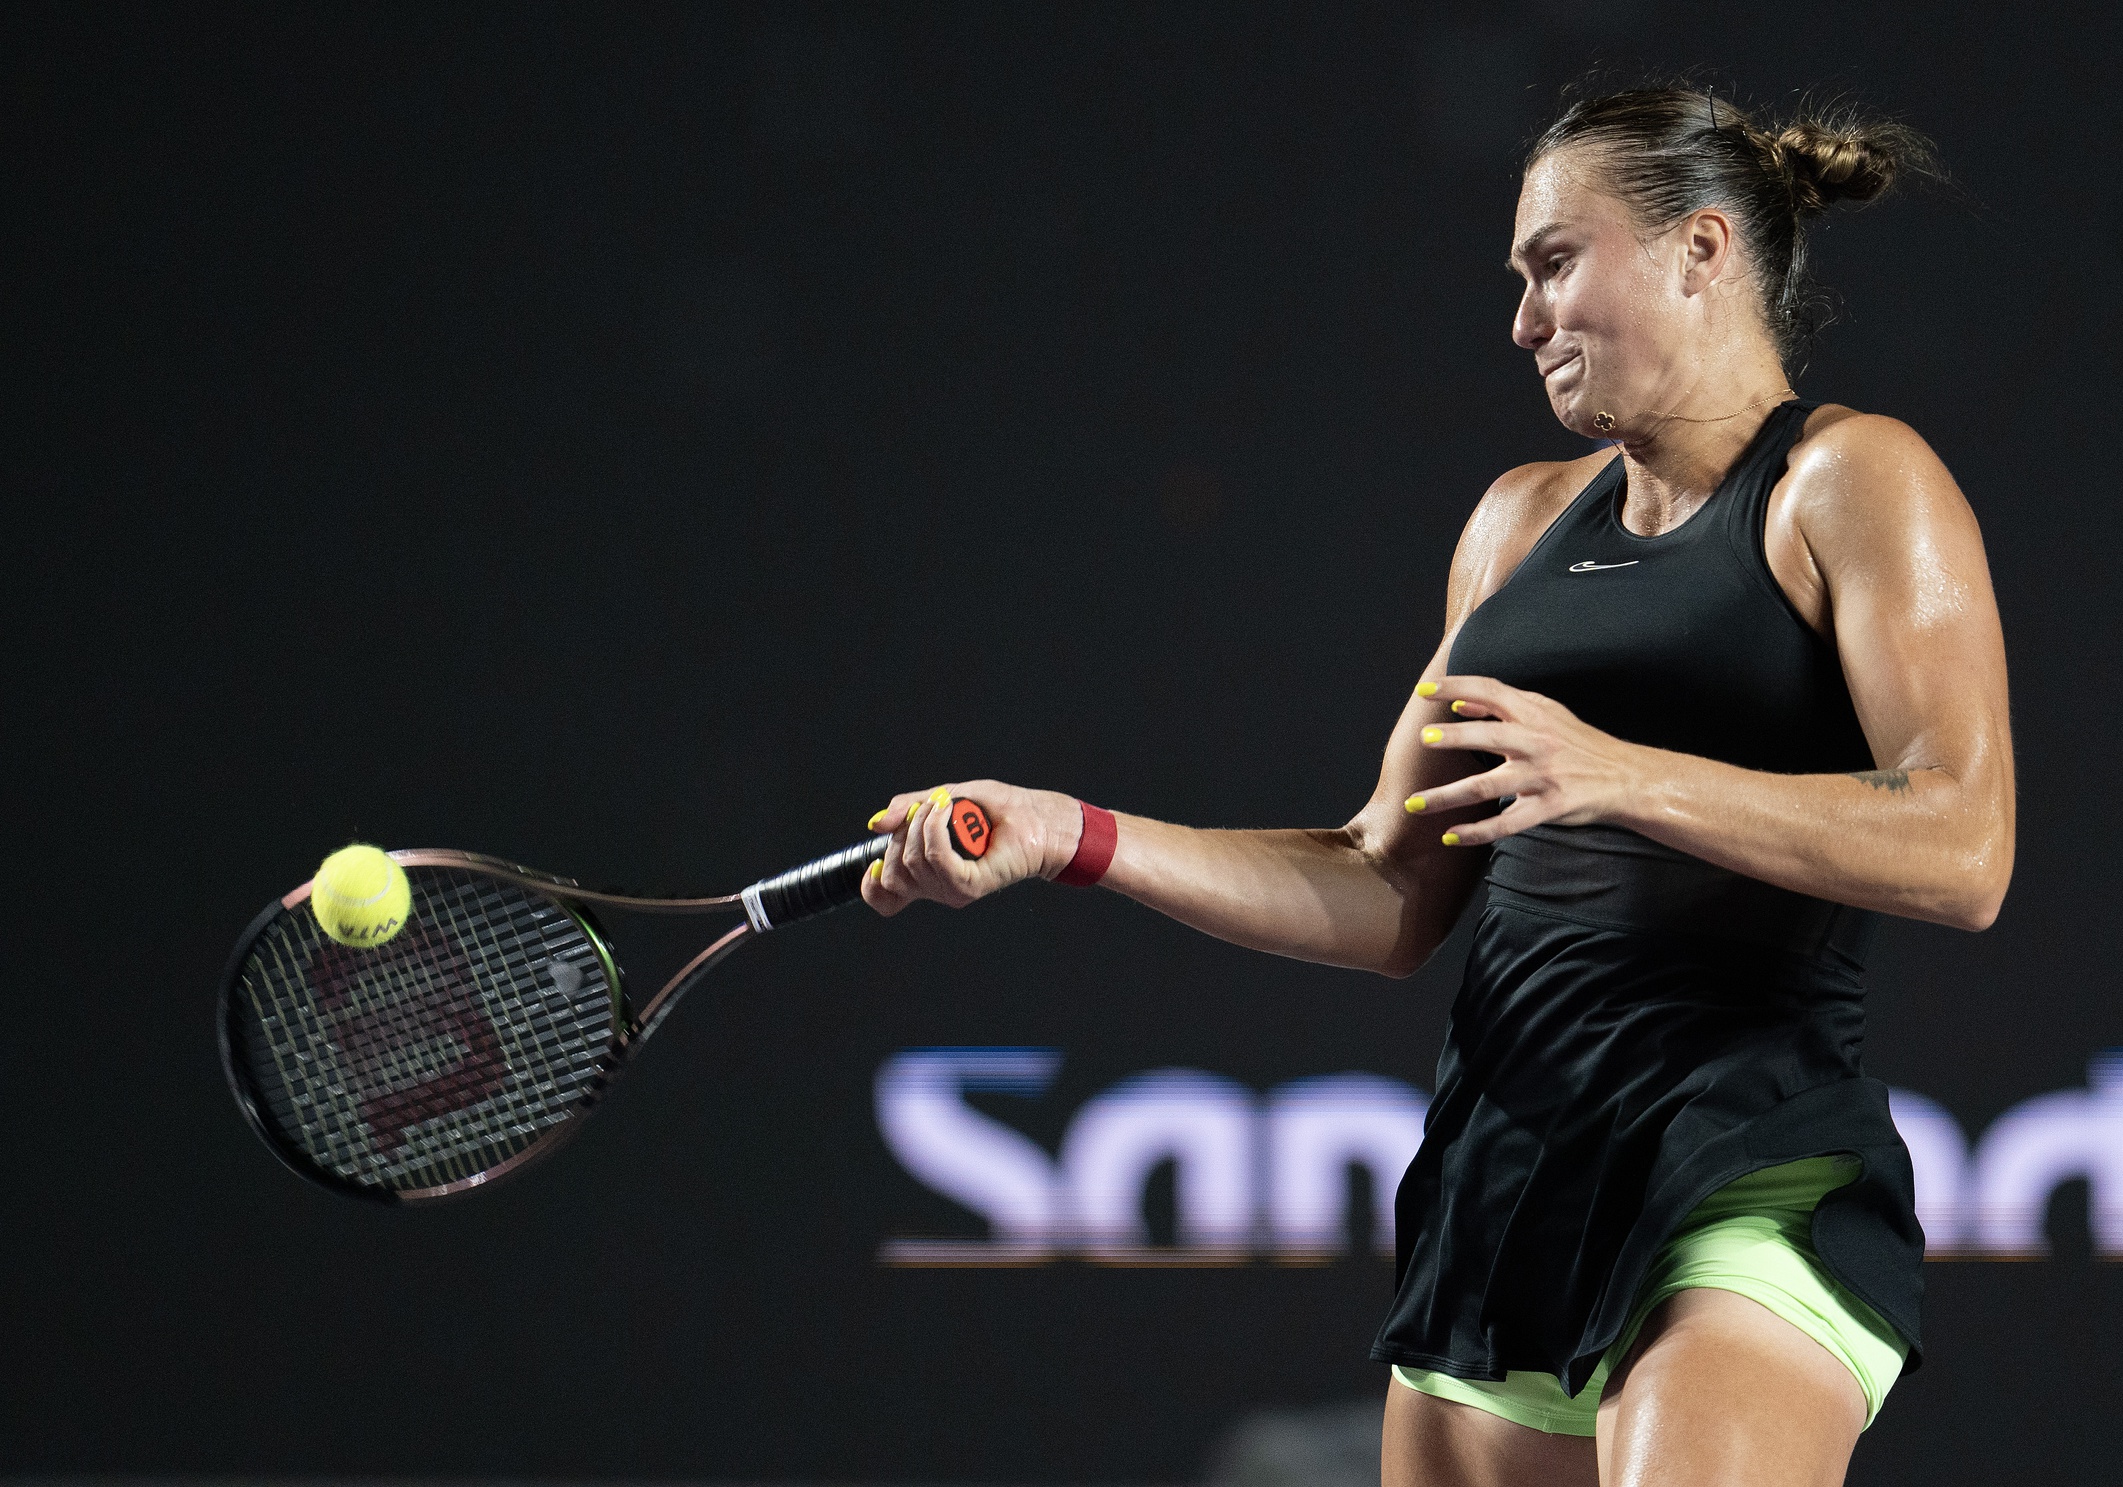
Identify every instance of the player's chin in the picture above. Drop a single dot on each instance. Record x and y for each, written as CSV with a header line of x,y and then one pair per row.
x,y
1571,412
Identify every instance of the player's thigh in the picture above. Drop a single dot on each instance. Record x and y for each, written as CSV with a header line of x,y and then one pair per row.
x,y
1719,1390
1433,1442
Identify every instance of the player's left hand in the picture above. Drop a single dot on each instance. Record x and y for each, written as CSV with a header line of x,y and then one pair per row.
x,y
1559,768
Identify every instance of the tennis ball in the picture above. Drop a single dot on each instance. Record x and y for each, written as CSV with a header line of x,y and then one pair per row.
x,y
360,896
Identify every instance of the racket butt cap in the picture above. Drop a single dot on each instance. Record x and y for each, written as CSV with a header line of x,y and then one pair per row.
x,y
971,832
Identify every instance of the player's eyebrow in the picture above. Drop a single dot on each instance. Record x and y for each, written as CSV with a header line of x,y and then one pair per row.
x,y
1532,242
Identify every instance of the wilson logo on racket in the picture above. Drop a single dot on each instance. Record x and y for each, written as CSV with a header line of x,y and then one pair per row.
x,y
409,1059
969,828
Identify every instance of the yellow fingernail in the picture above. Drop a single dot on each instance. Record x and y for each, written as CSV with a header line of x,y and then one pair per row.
x,y
877,869
878,817
911,810
1457,706
1414,803
1452,839
1433,735
1426,689
941,795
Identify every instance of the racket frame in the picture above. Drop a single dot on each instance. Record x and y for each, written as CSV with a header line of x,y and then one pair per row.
x,y
786,898
629,1030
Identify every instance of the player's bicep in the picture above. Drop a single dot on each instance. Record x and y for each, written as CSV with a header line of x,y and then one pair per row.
x,y
1406,842
1916,622
1408,767
1395,824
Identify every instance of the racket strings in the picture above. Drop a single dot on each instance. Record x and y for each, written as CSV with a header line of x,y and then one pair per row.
x,y
437,1057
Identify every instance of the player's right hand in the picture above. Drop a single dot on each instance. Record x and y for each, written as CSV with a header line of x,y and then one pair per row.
x,y
1034,836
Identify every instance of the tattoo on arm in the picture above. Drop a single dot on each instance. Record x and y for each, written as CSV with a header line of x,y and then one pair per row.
x,y
1894,781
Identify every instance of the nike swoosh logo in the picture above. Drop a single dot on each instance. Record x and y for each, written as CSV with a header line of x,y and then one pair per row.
x,y
1596,567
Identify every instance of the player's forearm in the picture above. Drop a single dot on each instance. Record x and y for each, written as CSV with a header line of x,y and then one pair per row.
x,y
1311,895
1924,843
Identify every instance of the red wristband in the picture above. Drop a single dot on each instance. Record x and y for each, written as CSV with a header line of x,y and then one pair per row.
x,y
1094,849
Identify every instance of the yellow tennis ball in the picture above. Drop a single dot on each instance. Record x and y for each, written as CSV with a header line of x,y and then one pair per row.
x,y
360,896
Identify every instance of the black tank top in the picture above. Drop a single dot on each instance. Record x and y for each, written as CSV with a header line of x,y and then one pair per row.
x,y
1682,641
1636,1027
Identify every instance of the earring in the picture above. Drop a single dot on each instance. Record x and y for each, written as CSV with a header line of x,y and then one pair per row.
x,y
1603,421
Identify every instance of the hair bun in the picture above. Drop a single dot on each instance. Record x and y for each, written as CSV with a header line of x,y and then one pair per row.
x,y
1666,150
1830,160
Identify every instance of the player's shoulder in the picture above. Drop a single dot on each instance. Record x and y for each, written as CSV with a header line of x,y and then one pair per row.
x,y
1530,497
1835,432
1518,507
1867,467
1551,482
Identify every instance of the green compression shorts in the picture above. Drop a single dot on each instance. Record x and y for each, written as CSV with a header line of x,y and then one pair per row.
x,y
1752,1237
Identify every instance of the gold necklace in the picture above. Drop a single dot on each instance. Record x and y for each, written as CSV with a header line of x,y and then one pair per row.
x,y
1604,421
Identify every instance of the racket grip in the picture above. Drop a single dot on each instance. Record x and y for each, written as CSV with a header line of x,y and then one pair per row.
x,y
818,887
835,880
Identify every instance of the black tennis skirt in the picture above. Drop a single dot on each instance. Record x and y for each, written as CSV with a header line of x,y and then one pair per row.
x,y
1635,1030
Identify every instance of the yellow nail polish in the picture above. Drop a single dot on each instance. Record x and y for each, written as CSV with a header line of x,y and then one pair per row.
x,y
1433,735
877,869
942,796
1414,803
1457,706
877,818
1452,839
911,810
1426,689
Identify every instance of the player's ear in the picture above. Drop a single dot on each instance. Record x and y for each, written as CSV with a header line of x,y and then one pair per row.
x,y
1707,249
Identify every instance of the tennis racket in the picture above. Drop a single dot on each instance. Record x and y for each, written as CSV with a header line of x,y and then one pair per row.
x,y
476,1039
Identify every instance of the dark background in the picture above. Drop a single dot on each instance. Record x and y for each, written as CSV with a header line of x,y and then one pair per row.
x,y
639,441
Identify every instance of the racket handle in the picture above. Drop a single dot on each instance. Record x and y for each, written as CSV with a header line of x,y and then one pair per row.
x,y
835,880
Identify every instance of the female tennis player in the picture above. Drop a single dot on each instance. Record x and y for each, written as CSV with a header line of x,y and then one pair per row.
x,y
1706,705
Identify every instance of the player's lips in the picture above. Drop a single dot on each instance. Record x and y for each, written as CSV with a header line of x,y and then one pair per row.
x,y
1556,366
